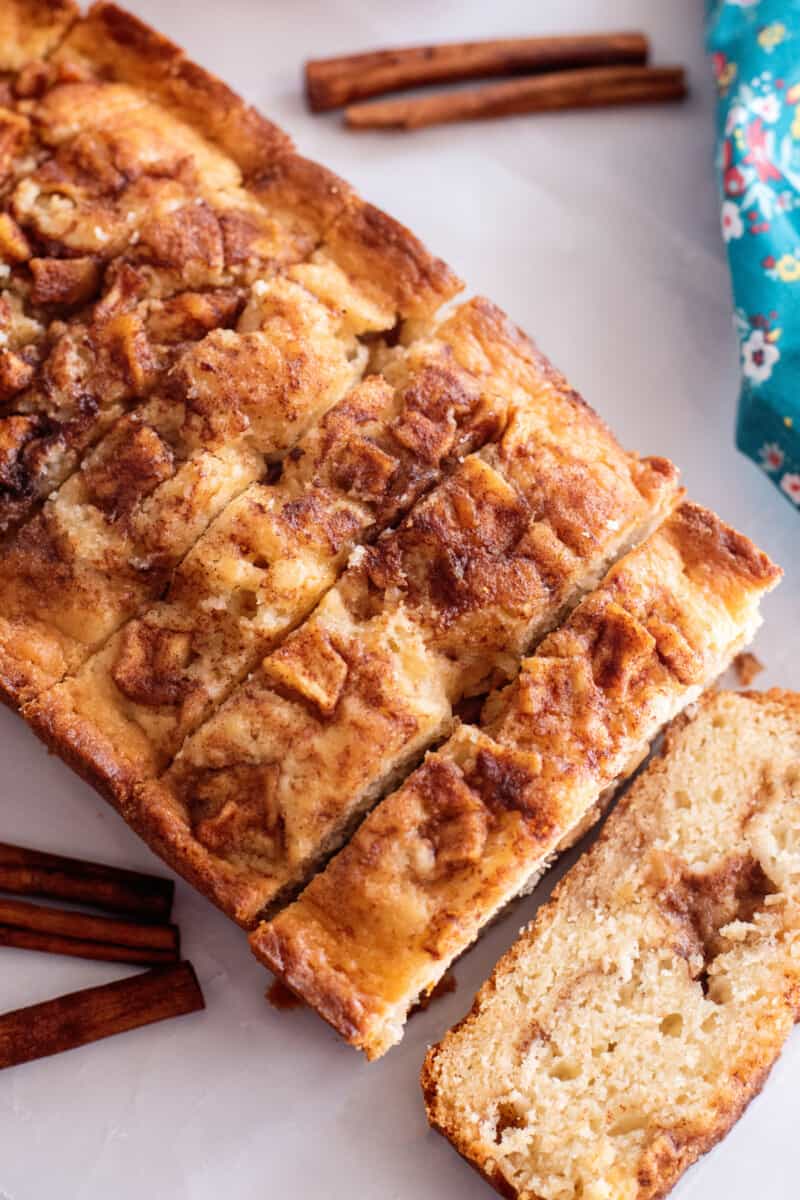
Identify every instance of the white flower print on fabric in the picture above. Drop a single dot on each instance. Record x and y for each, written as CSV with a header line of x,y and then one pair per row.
x,y
772,457
737,116
758,357
767,107
790,484
732,224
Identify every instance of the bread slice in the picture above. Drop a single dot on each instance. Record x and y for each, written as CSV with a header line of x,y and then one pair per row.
x,y
163,201
625,1032
440,607
268,558
479,821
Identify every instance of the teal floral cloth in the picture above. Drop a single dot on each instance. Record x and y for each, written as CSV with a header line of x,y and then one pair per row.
x,y
755,55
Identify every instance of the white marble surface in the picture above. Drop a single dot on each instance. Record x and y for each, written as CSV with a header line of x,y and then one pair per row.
x,y
598,233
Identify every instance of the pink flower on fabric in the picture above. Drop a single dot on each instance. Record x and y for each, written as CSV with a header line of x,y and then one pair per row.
x,y
758,154
790,484
771,456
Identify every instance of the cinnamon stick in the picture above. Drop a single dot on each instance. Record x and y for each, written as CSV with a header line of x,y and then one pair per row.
x,y
51,943
33,873
593,88
333,82
98,1012
36,927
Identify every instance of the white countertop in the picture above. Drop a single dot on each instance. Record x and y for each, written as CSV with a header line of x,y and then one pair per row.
x,y
598,234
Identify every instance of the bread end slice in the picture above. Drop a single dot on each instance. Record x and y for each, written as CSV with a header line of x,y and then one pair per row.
x,y
626,1031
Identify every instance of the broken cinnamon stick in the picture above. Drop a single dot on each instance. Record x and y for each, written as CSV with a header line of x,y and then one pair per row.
x,y
98,1012
82,935
33,873
333,82
592,88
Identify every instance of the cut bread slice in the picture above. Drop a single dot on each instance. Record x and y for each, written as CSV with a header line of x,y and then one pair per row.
x,y
480,820
625,1032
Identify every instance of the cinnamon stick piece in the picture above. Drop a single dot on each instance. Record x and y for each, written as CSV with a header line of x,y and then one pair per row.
x,y
52,943
33,873
333,82
592,88
35,927
98,1012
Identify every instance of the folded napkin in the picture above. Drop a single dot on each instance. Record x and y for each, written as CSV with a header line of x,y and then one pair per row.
x,y
755,55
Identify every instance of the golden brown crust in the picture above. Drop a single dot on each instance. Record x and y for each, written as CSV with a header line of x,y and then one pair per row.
x,y
435,861
388,261
232,402
705,908
91,757
124,48
31,29
306,196
103,142
715,552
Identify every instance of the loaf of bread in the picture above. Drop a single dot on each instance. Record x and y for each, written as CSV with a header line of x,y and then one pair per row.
x,y
268,514
480,820
634,1020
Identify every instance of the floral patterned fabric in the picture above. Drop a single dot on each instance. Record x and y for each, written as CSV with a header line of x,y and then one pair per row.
x,y
755,55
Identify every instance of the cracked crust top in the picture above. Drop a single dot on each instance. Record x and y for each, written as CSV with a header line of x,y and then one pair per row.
x,y
123,48
30,29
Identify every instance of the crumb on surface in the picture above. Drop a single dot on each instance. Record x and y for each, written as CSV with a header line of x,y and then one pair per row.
x,y
747,667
